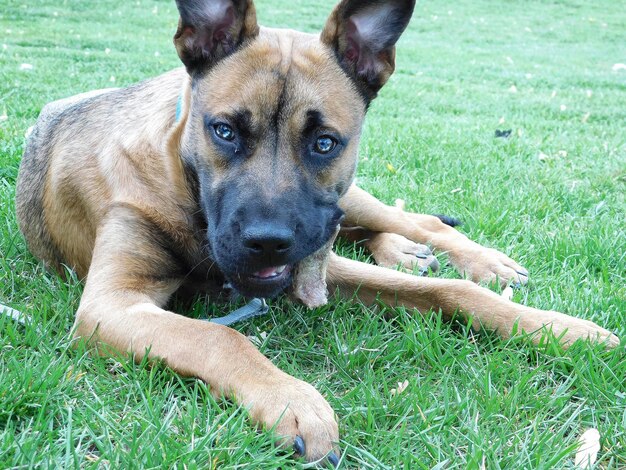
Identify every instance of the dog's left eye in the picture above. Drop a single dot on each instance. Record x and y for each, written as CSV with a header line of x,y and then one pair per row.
x,y
325,144
224,131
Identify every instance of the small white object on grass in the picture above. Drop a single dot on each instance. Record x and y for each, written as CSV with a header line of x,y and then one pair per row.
x,y
507,293
399,203
588,448
401,388
14,314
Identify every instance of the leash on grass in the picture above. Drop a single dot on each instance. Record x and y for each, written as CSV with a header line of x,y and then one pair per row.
x,y
254,308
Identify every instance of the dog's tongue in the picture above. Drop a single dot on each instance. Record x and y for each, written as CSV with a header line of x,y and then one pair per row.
x,y
270,272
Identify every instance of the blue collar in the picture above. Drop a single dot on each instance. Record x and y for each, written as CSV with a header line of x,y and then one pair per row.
x,y
179,107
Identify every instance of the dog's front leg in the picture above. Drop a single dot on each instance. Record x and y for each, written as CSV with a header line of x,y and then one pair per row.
x,y
131,277
397,230
484,307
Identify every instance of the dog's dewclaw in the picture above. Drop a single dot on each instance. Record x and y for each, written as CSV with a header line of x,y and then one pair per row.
x,y
309,283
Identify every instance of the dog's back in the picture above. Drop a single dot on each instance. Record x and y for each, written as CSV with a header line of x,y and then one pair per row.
x,y
69,132
34,167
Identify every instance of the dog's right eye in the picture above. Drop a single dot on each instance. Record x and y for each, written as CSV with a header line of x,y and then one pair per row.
x,y
325,144
224,131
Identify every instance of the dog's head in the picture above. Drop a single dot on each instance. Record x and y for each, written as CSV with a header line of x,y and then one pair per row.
x,y
273,126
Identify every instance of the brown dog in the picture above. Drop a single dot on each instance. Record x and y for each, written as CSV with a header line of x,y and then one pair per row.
x,y
236,169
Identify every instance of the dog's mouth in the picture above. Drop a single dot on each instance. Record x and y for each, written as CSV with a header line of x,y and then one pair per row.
x,y
266,282
271,274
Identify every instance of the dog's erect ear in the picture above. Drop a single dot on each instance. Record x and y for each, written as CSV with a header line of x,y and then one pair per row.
x,y
209,30
363,34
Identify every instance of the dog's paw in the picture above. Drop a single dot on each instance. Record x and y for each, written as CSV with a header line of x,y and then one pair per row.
x,y
475,262
391,250
299,415
568,329
486,265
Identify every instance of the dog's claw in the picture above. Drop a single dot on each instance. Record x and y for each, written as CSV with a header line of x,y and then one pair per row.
x,y
521,280
298,446
333,459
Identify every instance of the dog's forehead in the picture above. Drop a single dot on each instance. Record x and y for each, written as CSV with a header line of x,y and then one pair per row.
x,y
287,69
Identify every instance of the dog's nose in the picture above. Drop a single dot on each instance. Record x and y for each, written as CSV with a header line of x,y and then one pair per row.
x,y
268,240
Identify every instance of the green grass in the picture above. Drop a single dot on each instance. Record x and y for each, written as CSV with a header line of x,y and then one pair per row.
x,y
471,398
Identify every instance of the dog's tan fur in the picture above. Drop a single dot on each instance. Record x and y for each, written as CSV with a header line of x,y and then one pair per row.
x,y
103,189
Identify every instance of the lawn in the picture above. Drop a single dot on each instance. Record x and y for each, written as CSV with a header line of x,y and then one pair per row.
x,y
551,195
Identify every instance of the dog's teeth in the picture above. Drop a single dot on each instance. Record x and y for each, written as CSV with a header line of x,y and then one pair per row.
x,y
270,272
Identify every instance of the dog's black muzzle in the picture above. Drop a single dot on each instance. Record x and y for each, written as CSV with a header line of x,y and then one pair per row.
x,y
257,240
